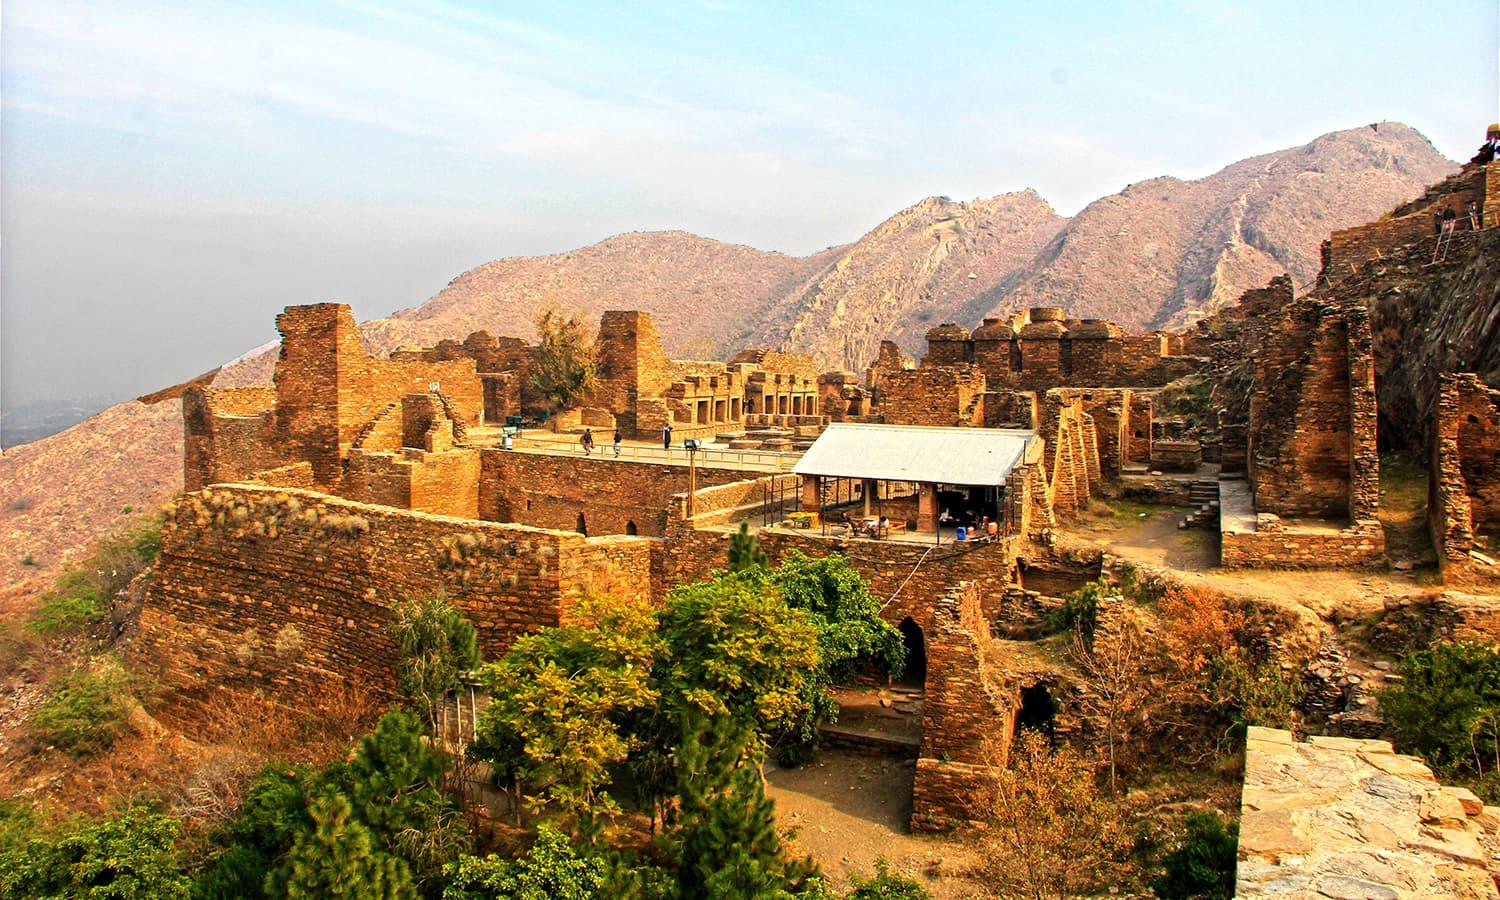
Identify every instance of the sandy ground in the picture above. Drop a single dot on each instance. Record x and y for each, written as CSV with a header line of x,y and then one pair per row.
x,y
849,809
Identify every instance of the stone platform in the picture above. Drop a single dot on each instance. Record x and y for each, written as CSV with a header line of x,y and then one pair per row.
x,y
1339,817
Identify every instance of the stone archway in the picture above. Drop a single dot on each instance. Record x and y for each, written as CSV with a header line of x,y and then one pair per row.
x,y
583,525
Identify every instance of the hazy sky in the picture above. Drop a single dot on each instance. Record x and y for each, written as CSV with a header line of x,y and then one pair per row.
x,y
175,173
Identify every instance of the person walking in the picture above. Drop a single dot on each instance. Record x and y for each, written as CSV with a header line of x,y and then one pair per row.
x,y
618,438
666,438
587,441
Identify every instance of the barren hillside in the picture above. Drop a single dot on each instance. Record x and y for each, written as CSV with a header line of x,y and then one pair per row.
x,y
59,494
1162,250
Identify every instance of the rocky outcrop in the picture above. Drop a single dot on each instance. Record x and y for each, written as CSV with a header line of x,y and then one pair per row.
x,y
1339,817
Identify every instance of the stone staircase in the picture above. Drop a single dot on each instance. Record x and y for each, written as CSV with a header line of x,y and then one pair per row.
x,y
1203,499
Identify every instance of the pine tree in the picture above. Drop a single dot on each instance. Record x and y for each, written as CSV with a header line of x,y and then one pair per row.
x,y
744,550
726,839
338,858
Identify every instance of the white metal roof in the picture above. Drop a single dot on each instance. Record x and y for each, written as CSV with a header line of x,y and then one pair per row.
x,y
971,456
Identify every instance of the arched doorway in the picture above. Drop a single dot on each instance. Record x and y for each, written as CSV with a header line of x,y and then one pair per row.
x,y
583,526
915,673
630,526
1038,707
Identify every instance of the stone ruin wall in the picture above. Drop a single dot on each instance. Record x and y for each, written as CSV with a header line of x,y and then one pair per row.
x,y
1043,349
263,588
1346,250
1312,435
327,391
934,396
550,491
1071,451
1464,483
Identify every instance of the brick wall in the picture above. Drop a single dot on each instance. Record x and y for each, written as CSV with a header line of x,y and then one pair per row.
x,y
943,396
1360,544
1312,415
966,719
1464,483
328,390
262,588
227,435
552,491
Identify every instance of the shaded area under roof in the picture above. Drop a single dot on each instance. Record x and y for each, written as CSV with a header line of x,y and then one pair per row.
x,y
969,456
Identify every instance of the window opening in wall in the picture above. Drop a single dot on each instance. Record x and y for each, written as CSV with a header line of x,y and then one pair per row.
x,y
583,526
915,673
630,527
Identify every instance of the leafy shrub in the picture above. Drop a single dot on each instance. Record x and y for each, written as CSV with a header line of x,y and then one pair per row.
x,y
553,869
88,709
28,560
1446,707
1203,864
885,884
1079,611
81,596
1253,692
128,857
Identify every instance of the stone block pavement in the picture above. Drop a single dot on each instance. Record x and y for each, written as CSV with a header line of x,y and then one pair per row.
x,y
1343,818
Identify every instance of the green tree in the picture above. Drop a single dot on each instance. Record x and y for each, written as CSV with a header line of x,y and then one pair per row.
x,y
744,550
394,783
435,646
885,885
273,812
338,857
559,698
1079,612
851,636
1203,865
725,841
82,594
1446,707
129,857
564,367
735,649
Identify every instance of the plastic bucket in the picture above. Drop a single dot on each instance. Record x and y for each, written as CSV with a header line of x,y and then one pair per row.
x,y
963,533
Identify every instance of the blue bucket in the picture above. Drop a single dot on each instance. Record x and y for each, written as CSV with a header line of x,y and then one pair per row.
x,y
963,533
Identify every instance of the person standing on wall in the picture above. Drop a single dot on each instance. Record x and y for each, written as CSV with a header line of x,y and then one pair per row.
x,y
587,441
666,437
618,437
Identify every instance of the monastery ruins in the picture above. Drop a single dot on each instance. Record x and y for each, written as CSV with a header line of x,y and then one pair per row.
x,y
355,480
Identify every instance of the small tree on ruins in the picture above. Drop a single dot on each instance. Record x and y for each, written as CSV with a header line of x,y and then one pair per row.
x,y
744,550
1053,835
435,646
559,698
1116,683
565,365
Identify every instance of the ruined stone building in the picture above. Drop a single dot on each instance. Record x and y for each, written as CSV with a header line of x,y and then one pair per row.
x,y
316,503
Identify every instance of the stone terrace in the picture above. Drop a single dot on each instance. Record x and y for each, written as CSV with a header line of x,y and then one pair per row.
x,y
1338,817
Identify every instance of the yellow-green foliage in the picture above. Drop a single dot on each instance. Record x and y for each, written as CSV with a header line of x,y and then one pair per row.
x,y
87,709
82,594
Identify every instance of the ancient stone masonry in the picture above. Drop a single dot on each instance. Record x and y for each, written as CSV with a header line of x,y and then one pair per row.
x,y
607,496
1312,449
942,396
328,392
1345,251
1340,817
1042,349
889,359
282,590
1464,485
